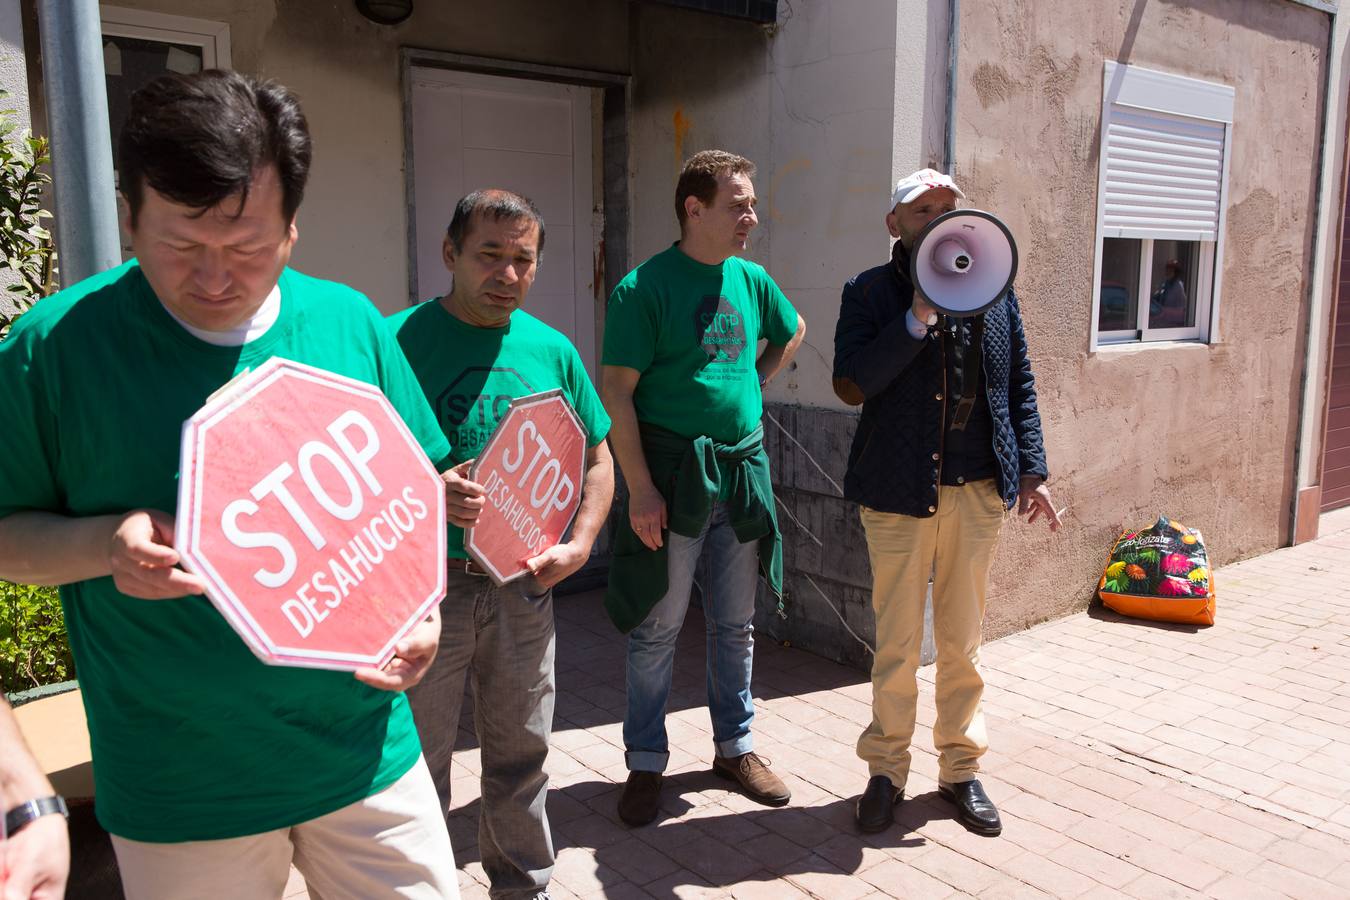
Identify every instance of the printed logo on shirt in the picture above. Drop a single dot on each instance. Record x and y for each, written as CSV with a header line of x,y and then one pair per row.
x,y
720,329
470,408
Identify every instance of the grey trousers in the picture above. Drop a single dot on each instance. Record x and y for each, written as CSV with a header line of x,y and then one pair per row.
x,y
502,639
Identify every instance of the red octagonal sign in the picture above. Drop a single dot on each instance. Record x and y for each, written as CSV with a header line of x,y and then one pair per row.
x,y
314,516
532,469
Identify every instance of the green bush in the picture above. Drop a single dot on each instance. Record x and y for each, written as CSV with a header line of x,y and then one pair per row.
x,y
33,649
26,248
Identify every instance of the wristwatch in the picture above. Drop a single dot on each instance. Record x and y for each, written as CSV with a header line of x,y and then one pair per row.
x,y
24,813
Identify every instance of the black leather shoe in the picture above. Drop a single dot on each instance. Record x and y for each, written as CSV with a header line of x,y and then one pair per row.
x,y
973,806
876,807
641,798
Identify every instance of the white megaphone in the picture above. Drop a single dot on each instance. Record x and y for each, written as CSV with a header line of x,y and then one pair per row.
x,y
963,262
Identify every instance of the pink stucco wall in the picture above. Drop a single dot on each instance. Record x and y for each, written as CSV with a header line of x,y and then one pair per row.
x,y
1205,434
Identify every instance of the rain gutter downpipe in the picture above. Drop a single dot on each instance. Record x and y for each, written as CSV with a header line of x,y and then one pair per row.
x,y
1304,438
953,39
81,145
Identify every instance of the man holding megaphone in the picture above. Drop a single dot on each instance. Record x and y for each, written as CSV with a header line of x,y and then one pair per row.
x,y
931,344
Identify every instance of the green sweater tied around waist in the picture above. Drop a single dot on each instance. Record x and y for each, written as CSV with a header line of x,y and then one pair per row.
x,y
690,479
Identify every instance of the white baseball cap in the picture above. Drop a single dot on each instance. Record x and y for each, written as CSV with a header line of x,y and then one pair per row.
x,y
911,187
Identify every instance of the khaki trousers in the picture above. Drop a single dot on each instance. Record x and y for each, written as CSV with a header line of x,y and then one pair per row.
x,y
957,546
392,844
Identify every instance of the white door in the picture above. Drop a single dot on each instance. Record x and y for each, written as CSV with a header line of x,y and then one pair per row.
x,y
473,131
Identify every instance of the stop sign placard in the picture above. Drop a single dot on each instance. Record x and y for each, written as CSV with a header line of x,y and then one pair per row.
x,y
532,469
313,515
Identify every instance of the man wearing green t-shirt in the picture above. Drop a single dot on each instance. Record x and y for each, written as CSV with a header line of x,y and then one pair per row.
x,y
474,350
213,772
684,389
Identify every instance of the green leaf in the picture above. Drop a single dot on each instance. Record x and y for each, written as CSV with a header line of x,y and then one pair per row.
x,y
33,647
25,246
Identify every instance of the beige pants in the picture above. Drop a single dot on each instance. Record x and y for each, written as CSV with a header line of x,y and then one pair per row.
x,y
957,546
392,844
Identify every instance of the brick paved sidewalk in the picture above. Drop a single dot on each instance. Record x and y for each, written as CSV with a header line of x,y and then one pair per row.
x,y
1127,758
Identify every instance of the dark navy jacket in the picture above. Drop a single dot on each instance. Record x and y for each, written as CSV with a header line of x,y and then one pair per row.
x,y
894,464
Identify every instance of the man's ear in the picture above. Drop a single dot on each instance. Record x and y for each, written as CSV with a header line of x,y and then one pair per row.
x,y
693,207
892,224
448,253
124,215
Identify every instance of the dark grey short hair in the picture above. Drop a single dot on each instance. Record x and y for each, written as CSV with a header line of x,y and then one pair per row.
x,y
198,139
495,204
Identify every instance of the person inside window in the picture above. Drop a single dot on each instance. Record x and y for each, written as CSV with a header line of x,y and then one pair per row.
x,y
1168,305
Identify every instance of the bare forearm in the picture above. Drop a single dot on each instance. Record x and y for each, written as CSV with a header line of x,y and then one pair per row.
x,y
627,442
48,549
770,361
21,779
775,358
596,495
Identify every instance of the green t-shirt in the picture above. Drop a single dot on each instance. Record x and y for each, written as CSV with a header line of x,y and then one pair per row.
x,y
193,737
692,330
470,375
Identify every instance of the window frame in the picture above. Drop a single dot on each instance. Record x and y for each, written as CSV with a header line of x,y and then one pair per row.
x,y
1133,87
213,37
1142,333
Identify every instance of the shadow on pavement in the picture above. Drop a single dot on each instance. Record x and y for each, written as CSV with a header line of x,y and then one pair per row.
x,y
689,846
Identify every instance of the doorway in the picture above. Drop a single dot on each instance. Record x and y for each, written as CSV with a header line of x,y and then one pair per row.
x,y
471,130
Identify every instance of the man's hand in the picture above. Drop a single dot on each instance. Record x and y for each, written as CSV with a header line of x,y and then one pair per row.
x,y
557,562
846,390
647,515
34,863
412,658
463,498
143,561
924,311
1033,501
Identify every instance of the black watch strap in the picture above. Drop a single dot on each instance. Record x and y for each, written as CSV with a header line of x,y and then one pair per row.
x,y
24,813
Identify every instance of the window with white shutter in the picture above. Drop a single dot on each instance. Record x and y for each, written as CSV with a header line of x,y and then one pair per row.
x,y
1161,202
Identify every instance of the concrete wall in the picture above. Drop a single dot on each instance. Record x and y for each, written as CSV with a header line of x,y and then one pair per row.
x,y
1202,433
830,111
847,108
353,224
1205,434
824,102
833,103
698,82
13,70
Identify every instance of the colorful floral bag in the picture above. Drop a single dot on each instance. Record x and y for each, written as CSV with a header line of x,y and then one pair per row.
x,y
1160,573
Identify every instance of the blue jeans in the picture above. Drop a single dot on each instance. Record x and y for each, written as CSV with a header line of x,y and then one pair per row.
x,y
729,611
501,640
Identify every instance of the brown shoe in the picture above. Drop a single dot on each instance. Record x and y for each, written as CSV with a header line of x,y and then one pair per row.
x,y
754,776
641,798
